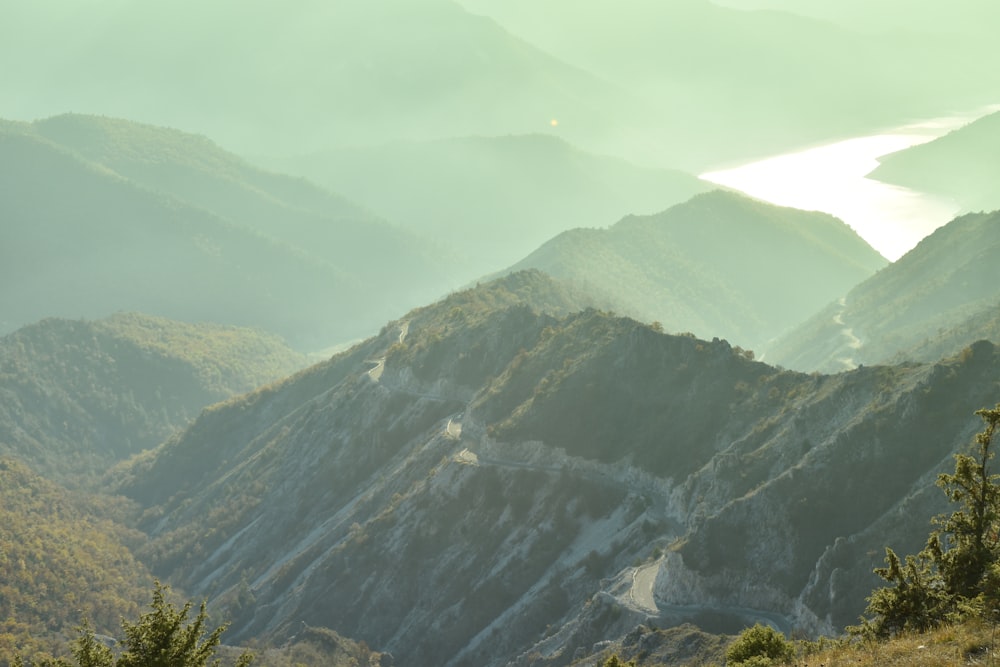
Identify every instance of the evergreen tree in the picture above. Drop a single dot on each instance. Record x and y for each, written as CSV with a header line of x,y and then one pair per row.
x,y
970,537
163,637
958,570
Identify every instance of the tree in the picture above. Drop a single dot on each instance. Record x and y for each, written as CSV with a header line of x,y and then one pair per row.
x,y
162,637
958,570
760,646
970,533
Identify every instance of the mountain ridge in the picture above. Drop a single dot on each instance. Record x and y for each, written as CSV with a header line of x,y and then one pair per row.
x,y
710,265
510,469
932,302
267,265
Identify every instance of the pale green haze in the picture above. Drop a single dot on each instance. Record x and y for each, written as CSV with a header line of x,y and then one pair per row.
x,y
487,333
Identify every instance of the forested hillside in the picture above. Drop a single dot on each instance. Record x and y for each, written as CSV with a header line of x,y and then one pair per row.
x,y
79,396
932,302
720,264
106,215
63,557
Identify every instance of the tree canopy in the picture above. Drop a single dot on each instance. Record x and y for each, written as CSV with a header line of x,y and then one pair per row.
x,y
958,572
162,637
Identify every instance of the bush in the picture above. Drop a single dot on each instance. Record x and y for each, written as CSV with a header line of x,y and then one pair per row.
x,y
759,646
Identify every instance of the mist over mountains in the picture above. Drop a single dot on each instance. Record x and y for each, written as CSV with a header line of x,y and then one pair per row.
x,y
405,333
931,303
718,264
495,199
105,215
963,164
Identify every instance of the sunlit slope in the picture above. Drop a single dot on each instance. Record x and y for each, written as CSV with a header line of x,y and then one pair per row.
x,y
79,396
720,264
509,469
744,83
267,77
964,164
104,215
935,300
495,198
64,559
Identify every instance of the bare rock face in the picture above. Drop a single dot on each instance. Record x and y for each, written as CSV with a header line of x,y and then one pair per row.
x,y
516,488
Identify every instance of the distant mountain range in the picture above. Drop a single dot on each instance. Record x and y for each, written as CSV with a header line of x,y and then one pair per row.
x,y
80,396
720,264
104,215
268,78
963,165
494,199
684,84
751,83
484,483
935,300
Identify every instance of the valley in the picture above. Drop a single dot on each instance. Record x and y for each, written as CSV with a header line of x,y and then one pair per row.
x,y
476,334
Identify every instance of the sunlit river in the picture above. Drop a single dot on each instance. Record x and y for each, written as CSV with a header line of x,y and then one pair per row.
x,y
831,178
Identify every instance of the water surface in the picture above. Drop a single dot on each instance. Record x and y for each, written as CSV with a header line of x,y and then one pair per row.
x,y
832,178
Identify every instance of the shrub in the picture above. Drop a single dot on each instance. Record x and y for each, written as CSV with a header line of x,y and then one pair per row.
x,y
760,646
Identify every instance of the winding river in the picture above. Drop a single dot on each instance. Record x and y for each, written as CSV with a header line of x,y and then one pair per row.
x,y
832,178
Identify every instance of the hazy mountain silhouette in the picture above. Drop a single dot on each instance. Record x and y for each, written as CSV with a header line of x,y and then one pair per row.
x,y
749,83
105,215
720,264
964,165
494,199
935,300
267,78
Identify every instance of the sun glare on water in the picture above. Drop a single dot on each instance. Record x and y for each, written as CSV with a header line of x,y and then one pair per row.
x,y
831,179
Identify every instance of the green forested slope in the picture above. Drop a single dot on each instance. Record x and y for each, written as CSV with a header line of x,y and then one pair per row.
x,y
932,302
63,558
186,231
720,264
79,396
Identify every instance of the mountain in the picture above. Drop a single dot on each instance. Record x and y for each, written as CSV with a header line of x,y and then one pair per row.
x,y
79,396
63,558
105,215
963,165
283,79
486,484
744,84
683,84
494,199
720,264
934,301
